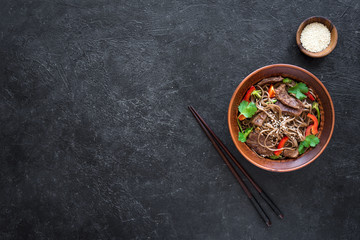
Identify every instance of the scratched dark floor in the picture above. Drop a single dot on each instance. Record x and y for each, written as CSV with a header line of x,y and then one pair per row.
x,y
96,140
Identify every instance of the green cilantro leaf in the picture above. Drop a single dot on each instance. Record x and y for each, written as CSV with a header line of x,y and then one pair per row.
x,y
301,148
247,109
243,136
310,141
274,157
299,89
287,80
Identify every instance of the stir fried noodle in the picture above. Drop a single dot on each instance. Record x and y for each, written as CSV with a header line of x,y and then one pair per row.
x,y
278,124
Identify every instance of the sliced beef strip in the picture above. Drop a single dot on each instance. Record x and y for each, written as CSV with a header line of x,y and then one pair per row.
x,y
282,95
290,153
271,80
259,119
289,110
252,142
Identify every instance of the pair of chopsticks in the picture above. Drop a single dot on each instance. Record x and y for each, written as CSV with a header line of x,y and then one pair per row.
x,y
221,148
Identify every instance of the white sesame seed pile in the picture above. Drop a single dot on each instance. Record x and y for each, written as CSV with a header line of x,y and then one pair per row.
x,y
315,37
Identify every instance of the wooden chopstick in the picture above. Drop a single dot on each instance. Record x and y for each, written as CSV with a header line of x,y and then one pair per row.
x,y
256,186
253,200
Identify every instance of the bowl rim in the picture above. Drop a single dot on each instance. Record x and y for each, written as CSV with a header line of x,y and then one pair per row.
x,y
234,139
324,52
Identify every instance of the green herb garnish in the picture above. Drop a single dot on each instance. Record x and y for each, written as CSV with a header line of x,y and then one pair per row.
x,y
243,136
299,89
248,109
287,80
239,124
310,141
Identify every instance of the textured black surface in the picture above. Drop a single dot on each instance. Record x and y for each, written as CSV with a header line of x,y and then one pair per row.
x,y
96,140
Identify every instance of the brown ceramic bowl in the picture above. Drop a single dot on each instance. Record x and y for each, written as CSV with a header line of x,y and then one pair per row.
x,y
326,108
333,40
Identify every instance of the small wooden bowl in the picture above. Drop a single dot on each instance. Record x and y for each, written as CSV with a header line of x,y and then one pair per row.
x,y
333,40
326,109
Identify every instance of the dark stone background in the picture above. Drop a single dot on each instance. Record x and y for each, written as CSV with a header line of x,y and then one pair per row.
x,y
97,142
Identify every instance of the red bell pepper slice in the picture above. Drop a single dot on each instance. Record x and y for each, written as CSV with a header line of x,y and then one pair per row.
x,y
311,97
241,117
248,94
308,130
281,145
271,91
314,128
247,98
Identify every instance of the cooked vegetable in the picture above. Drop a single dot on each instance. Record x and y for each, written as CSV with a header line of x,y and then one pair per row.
x,y
310,141
311,97
281,145
248,109
256,93
271,101
248,94
241,117
245,100
299,90
308,130
287,80
271,91
284,97
315,106
243,136
274,157
314,128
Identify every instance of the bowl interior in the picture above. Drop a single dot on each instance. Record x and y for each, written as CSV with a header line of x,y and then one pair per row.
x,y
333,40
326,124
